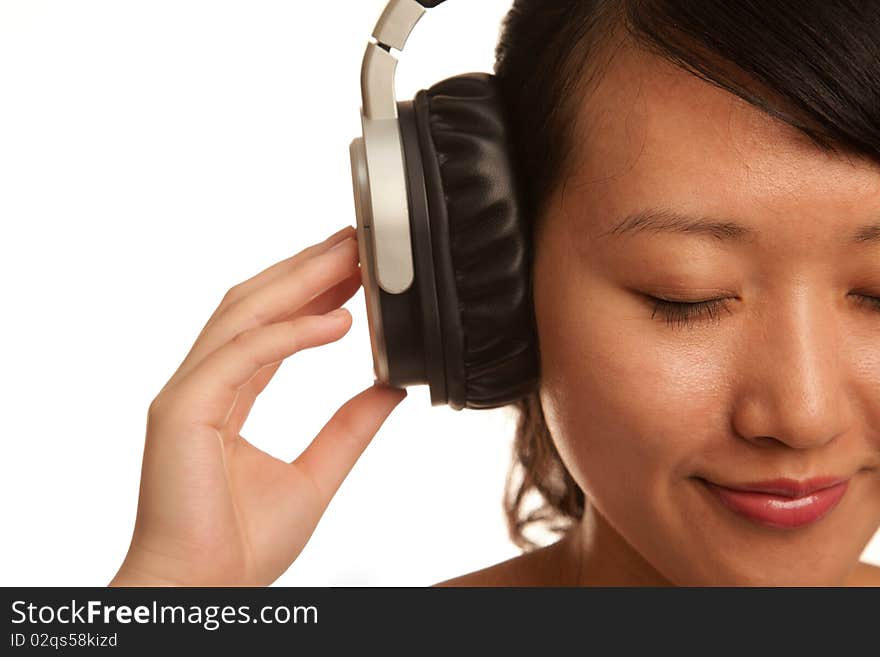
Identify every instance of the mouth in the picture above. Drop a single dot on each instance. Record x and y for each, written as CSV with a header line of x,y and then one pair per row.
x,y
780,504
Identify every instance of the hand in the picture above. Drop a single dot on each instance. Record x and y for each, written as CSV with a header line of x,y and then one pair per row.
x,y
213,509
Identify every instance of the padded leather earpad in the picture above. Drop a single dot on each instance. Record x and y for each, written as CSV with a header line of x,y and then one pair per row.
x,y
481,243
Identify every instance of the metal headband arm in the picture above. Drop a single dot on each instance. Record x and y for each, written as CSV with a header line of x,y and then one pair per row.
x,y
389,229
377,72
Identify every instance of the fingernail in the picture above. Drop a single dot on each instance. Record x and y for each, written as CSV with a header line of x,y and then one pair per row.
x,y
339,313
343,244
339,233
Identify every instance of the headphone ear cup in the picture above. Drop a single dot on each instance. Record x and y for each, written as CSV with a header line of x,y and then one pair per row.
x,y
480,241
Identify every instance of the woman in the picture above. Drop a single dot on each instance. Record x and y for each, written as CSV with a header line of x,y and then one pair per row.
x,y
702,179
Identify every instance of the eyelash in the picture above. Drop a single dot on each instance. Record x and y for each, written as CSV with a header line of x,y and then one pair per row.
x,y
683,313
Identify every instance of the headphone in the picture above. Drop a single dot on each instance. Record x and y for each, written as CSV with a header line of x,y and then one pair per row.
x,y
443,246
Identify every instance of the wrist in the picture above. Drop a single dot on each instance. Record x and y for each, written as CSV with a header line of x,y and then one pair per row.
x,y
131,573
129,577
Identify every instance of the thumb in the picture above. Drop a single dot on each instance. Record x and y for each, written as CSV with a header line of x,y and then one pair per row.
x,y
332,454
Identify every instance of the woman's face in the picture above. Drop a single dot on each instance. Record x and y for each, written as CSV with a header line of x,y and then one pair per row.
x,y
784,382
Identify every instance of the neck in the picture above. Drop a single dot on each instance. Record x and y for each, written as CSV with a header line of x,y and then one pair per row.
x,y
599,555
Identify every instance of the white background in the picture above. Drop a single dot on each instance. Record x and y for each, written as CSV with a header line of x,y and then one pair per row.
x,y
152,155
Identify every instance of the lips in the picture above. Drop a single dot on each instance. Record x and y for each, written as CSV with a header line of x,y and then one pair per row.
x,y
781,503
786,487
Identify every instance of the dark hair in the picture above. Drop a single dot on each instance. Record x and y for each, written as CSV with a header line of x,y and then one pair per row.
x,y
814,65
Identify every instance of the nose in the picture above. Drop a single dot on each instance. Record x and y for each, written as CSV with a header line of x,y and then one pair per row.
x,y
793,388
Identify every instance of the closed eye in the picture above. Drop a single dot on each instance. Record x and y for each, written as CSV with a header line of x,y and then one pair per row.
x,y
686,312
681,313
872,303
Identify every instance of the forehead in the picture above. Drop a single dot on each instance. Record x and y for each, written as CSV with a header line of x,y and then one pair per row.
x,y
650,134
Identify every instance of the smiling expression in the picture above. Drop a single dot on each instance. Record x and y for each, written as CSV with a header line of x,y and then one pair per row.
x,y
779,378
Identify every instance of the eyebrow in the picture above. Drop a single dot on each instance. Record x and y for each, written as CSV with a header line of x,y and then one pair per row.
x,y
669,221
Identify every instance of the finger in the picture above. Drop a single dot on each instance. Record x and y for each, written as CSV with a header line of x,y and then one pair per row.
x,y
286,294
282,297
323,304
250,391
331,455
283,267
332,298
207,394
278,269
235,293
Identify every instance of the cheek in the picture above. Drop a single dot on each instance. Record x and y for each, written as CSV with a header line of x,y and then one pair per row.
x,y
629,402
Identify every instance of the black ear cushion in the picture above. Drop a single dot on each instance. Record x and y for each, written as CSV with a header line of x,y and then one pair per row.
x,y
484,257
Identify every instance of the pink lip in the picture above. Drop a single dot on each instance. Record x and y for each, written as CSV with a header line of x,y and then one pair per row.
x,y
786,487
782,503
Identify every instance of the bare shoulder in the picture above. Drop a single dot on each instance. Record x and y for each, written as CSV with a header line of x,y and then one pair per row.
x,y
539,567
500,574
865,574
